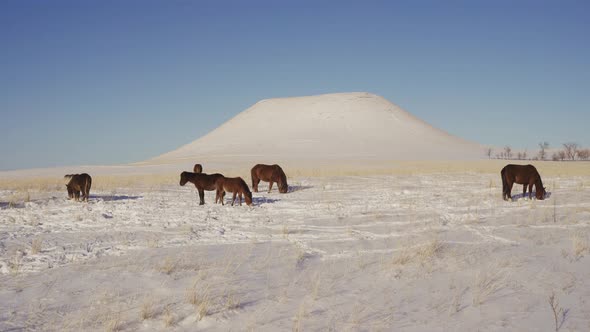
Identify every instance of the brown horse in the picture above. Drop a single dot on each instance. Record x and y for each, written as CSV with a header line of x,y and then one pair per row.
x,y
237,186
198,168
78,183
201,181
521,174
269,173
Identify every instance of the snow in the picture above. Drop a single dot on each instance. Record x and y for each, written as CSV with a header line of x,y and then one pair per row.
x,y
376,233
422,252
340,126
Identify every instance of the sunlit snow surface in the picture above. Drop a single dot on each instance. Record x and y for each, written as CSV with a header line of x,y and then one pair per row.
x,y
422,252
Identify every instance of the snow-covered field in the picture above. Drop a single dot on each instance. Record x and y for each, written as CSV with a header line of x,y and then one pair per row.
x,y
423,252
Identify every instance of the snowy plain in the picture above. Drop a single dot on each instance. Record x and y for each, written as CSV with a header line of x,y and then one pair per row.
x,y
373,234
432,251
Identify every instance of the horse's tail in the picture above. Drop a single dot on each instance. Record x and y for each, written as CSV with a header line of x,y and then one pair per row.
x,y
87,185
504,182
254,176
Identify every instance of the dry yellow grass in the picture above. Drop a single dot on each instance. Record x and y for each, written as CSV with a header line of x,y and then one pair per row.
x,y
168,317
579,245
493,166
36,245
353,168
168,266
147,309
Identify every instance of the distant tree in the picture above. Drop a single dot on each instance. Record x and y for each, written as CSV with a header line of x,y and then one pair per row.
x,y
524,155
555,156
519,156
584,154
543,146
489,152
507,152
571,150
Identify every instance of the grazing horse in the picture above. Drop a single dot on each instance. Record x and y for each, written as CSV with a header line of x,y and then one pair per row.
x,y
269,173
201,181
78,183
521,174
237,186
198,168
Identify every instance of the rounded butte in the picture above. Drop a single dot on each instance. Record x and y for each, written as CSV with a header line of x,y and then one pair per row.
x,y
340,128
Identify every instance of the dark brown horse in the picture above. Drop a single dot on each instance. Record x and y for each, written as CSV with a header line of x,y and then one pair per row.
x,y
198,168
78,183
521,174
269,173
201,181
237,186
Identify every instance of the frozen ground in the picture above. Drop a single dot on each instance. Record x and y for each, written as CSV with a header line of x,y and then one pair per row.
x,y
405,253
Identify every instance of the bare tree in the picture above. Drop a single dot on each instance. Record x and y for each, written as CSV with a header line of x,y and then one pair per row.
x,y
571,150
543,146
584,154
561,155
507,152
519,156
524,154
489,152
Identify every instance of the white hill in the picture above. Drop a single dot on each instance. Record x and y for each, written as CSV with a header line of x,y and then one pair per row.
x,y
346,129
331,127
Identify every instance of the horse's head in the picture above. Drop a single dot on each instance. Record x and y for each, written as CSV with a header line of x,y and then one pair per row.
x,y
283,186
70,191
198,168
248,197
541,193
281,179
183,178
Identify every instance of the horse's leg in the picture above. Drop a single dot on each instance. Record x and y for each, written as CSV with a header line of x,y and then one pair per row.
x,y
217,195
233,198
509,190
530,191
255,181
524,190
270,186
201,196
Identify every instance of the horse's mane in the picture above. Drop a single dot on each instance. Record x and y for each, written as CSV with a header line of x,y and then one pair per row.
x,y
243,184
69,176
540,182
281,174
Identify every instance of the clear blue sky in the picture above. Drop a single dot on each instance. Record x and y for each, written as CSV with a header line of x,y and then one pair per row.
x,y
107,82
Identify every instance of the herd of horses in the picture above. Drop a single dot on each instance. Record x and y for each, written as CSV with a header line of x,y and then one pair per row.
x,y
78,185
221,184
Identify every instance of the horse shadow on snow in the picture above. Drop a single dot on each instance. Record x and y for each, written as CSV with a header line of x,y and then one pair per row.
x,y
114,198
516,197
293,189
263,200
